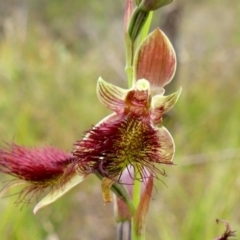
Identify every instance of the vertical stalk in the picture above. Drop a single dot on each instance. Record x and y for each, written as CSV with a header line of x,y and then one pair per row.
x,y
130,47
136,199
136,190
124,230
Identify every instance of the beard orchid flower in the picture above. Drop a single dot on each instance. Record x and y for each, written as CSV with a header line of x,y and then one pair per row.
x,y
132,136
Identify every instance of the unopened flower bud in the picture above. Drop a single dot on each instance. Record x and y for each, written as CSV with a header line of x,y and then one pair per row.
x,y
137,22
151,5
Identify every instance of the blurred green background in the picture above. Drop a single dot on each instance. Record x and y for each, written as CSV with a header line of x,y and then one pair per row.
x,y
51,54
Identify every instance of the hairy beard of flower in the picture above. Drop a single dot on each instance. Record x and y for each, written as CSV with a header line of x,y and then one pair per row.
x,y
38,168
113,146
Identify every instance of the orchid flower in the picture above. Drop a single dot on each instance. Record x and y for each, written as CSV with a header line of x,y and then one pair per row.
x,y
133,135
131,138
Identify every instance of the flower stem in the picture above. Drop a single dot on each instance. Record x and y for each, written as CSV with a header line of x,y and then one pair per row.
x,y
136,191
136,199
135,236
129,48
121,192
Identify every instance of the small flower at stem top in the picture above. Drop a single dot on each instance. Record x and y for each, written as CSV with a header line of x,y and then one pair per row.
x,y
141,13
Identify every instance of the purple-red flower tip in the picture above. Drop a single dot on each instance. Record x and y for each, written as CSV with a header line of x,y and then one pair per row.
x,y
38,168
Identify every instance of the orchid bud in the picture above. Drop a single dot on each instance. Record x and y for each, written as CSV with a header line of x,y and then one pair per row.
x,y
137,22
151,5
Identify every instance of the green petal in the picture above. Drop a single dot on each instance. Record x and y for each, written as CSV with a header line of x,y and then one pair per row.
x,y
110,95
155,60
167,149
162,104
54,195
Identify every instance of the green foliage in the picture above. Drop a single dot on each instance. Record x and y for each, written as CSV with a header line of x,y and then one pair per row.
x,y
47,97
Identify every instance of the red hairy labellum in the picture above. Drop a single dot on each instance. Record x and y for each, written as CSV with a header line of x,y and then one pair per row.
x,y
110,147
